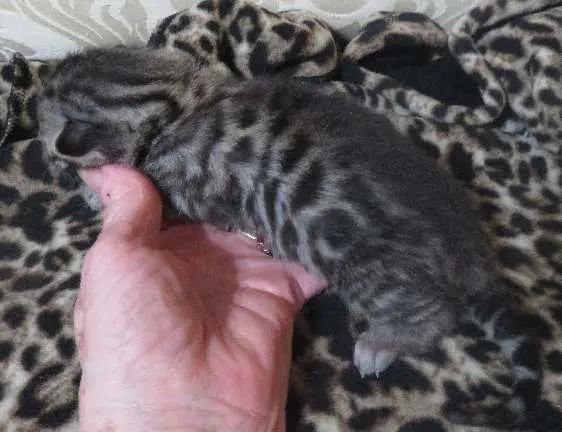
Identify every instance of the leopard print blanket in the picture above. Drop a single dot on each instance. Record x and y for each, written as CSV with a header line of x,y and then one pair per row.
x,y
485,100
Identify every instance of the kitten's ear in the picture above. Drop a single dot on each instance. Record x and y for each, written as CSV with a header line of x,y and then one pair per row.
x,y
43,72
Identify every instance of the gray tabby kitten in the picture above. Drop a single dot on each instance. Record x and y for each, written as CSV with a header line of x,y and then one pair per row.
x,y
328,182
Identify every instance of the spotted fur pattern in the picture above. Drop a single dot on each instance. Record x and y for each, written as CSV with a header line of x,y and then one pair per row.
x,y
317,174
507,163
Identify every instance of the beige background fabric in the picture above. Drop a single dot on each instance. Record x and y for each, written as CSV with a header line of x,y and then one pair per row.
x,y
42,29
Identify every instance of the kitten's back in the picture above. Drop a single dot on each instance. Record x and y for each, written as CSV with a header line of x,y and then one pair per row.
x,y
382,170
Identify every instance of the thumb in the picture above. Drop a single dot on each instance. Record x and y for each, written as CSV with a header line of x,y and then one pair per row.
x,y
132,205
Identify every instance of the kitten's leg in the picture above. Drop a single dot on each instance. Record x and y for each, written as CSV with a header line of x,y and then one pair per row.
x,y
376,348
375,351
401,292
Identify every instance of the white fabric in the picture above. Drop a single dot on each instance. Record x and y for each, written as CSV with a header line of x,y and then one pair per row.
x,y
42,29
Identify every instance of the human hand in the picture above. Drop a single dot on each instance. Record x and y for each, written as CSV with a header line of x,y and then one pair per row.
x,y
181,328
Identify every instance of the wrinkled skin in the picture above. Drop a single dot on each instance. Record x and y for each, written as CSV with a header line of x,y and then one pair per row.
x,y
181,328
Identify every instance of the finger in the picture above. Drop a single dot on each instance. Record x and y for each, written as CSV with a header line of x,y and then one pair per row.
x,y
168,223
236,243
132,205
289,281
205,236
304,285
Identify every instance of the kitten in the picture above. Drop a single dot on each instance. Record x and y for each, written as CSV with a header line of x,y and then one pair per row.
x,y
331,184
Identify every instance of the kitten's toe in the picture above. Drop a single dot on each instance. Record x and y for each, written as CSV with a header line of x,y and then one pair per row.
x,y
372,356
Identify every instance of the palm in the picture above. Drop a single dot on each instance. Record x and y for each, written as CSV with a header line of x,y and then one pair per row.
x,y
220,319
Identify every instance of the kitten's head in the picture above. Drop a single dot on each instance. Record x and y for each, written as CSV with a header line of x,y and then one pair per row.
x,y
107,105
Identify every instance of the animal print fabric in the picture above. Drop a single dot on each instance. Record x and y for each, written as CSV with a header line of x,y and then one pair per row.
x,y
70,25
484,99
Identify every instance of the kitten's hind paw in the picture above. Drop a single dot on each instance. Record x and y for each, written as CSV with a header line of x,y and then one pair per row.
x,y
371,356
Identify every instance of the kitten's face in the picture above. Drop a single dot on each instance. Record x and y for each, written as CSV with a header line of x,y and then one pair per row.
x,y
98,106
72,135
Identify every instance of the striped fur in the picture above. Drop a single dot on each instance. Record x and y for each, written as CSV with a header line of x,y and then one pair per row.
x,y
331,184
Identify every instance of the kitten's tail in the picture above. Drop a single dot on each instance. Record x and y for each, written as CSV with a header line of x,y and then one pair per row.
x,y
505,324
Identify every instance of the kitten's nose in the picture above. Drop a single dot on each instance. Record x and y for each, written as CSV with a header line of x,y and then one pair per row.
x,y
66,146
76,140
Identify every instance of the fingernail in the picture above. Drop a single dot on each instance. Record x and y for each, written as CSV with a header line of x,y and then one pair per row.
x,y
93,177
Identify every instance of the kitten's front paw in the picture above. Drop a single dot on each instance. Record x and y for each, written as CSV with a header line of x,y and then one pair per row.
x,y
373,354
